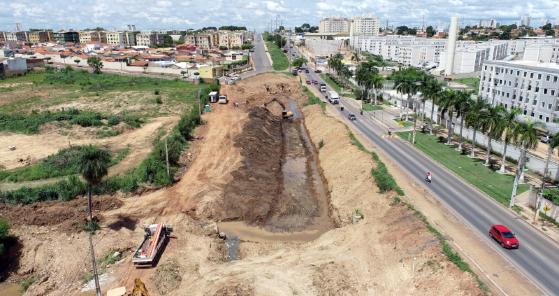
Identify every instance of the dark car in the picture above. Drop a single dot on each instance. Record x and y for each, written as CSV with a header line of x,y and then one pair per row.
x,y
306,70
317,71
351,116
504,237
308,82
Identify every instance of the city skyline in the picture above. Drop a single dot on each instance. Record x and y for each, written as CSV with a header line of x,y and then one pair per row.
x,y
257,14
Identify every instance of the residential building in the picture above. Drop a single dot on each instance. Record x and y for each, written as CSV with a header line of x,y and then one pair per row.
x,y
362,25
469,56
203,40
22,36
231,39
116,38
130,38
334,25
85,36
531,86
66,36
147,39
492,23
98,36
11,37
525,21
546,53
2,38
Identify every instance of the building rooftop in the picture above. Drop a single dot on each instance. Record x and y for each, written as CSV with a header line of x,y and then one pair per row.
x,y
527,64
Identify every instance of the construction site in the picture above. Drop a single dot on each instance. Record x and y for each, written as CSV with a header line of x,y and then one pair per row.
x,y
275,199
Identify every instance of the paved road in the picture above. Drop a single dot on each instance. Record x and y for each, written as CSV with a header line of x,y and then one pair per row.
x,y
538,256
259,58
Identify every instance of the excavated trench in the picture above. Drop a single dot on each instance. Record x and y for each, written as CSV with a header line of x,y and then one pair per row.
x,y
295,205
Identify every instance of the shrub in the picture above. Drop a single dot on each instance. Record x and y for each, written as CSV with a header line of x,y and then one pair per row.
x,y
156,92
158,101
320,144
87,119
4,233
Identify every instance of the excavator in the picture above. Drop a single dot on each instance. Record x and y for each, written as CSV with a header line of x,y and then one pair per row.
x,y
139,288
285,114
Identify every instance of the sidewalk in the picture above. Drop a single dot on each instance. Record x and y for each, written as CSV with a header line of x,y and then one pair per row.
x,y
527,213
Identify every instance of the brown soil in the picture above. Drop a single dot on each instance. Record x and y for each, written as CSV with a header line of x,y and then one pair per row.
x,y
366,258
64,216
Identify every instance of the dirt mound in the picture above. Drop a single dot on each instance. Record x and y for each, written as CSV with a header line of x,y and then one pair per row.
x,y
257,183
67,216
167,277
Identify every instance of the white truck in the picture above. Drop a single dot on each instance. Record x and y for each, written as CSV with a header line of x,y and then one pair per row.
x,y
155,235
333,97
322,87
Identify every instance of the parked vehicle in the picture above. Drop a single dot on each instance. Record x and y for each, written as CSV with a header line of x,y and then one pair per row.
x,y
155,236
545,139
333,97
351,117
213,96
504,236
317,71
222,99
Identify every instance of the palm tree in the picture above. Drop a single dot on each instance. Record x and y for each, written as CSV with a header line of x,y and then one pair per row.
x,y
376,82
553,143
93,166
491,124
447,104
473,120
431,90
525,136
508,124
463,104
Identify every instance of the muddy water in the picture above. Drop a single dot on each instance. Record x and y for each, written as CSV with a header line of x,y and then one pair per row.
x,y
10,289
302,210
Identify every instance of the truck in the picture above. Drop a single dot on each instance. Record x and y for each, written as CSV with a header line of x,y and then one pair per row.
x,y
322,87
212,96
223,99
155,235
333,97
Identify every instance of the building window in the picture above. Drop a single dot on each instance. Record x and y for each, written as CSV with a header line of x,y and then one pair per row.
x,y
541,117
539,76
545,91
524,74
534,102
546,119
543,104
549,106
547,78
532,75
532,114
552,92
554,78
525,111
537,89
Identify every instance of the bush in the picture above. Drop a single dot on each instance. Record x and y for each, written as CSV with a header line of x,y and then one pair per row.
x,y
4,233
158,101
87,119
552,194
156,92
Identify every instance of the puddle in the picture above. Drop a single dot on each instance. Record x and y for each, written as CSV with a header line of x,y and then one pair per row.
x,y
301,212
10,289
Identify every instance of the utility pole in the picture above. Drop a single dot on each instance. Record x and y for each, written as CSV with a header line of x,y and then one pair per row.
x,y
167,158
199,104
94,265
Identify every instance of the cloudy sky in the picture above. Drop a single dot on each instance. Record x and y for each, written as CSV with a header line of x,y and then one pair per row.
x,y
256,14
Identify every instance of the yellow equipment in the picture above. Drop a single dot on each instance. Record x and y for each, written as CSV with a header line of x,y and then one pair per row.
x,y
139,288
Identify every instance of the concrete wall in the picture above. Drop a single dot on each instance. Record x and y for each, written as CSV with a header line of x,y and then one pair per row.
x,y
532,199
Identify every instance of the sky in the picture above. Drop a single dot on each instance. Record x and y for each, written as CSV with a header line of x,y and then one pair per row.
x,y
256,14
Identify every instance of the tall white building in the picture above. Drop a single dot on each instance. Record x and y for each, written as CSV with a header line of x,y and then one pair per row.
x,y
451,46
531,86
469,56
546,53
334,25
363,25
492,23
525,20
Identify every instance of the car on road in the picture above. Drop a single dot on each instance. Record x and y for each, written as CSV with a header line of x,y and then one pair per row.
x,y
545,139
504,236
306,70
351,117
317,71
314,82
308,82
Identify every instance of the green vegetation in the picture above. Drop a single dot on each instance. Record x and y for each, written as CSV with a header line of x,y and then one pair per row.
x,y
383,178
279,59
371,107
330,80
452,255
552,194
63,163
473,171
312,99
403,123
4,233
546,218
472,82
110,258
299,62
26,283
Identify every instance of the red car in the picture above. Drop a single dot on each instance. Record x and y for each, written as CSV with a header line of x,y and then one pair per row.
x,y
504,237
308,82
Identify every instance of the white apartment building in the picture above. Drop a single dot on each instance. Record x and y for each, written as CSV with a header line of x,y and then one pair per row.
x,y
517,46
334,25
116,38
146,39
470,56
531,86
407,50
363,25
231,39
11,36
525,21
546,53
492,23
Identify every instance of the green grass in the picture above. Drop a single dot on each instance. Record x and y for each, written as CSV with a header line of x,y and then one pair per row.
x,y
403,123
473,171
102,264
63,163
472,82
279,59
371,107
330,81
312,99
383,178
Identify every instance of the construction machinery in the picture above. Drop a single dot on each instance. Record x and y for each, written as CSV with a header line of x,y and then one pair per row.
x,y
155,237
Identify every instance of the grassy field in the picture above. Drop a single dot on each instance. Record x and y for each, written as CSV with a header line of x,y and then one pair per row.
x,y
495,185
472,82
279,59
371,107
